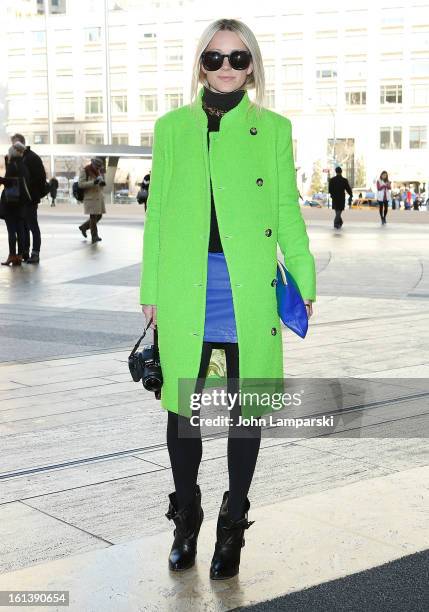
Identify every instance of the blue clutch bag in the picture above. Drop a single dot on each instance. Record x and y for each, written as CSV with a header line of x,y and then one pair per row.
x,y
290,305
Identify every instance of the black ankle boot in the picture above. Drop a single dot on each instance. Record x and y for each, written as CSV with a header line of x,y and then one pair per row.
x,y
230,540
188,522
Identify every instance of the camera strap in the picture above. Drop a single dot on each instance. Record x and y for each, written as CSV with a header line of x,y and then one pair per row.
x,y
140,339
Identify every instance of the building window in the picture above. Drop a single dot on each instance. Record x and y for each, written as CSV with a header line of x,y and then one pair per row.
x,y
174,53
392,17
41,138
391,94
64,108
326,71
269,73
94,139
326,18
146,139
326,96
65,138
39,107
268,48
391,65
420,66
418,137
15,40
356,67
173,100
119,104
39,39
293,99
92,35
148,103
355,97
420,95
143,32
292,72
390,138
270,98
149,55
120,139
93,105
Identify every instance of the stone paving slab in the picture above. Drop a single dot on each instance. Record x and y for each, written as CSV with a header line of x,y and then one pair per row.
x,y
125,508
21,543
401,455
91,443
318,538
69,478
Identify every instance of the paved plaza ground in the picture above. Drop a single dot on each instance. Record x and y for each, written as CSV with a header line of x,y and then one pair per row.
x,y
341,521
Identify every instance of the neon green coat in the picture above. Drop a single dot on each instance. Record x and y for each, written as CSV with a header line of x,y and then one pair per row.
x,y
253,216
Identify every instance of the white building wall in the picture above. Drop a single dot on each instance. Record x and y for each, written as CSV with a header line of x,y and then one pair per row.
x,y
301,32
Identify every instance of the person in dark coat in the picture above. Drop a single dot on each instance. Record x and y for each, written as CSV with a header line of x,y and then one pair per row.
x,y
14,199
37,190
53,188
143,194
338,185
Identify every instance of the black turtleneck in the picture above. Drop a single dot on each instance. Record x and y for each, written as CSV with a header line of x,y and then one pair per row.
x,y
225,102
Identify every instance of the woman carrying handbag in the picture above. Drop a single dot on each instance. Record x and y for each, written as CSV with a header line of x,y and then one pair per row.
x,y
14,198
384,195
223,194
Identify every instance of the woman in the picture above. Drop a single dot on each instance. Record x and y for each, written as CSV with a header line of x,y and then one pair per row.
x,y
14,198
91,180
384,195
209,268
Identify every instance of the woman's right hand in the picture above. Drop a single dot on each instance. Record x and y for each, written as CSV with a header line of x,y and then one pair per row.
x,y
150,312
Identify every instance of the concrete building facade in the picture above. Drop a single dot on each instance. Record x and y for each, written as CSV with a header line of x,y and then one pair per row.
x,y
352,76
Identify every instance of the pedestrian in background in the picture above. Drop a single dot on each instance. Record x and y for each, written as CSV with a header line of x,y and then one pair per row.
x,y
37,186
384,195
408,199
143,193
338,185
53,188
15,198
91,180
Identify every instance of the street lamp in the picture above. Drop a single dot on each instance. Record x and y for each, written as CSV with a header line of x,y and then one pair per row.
x,y
332,111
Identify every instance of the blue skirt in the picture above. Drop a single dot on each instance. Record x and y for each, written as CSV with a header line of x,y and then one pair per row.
x,y
220,320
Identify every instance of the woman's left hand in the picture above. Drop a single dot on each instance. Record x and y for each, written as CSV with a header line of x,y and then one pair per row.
x,y
309,305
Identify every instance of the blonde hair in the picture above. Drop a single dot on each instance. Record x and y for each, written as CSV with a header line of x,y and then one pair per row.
x,y
255,80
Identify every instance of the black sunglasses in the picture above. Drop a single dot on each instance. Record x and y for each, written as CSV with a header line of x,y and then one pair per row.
x,y
213,60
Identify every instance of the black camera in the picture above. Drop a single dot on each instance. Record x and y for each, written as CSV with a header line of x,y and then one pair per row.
x,y
144,364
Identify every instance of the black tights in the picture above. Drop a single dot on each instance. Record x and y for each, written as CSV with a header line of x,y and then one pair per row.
x,y
382,208
15,231
243,447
